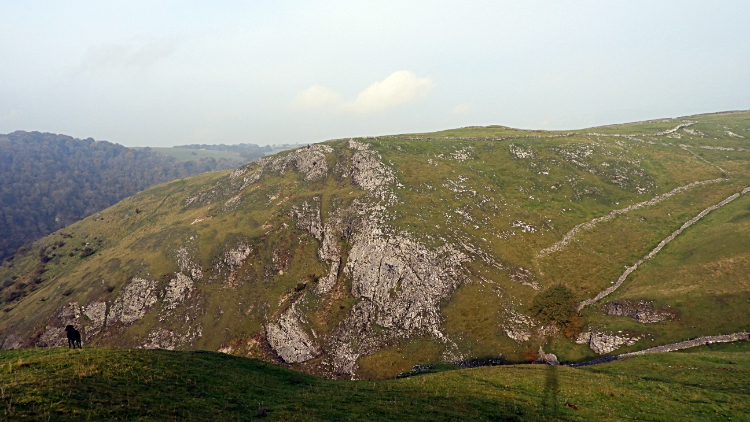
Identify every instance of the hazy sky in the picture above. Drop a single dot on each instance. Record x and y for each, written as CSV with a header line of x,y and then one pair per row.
x,y
162,73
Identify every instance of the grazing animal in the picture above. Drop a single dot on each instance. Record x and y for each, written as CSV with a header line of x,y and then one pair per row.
x,y
74,337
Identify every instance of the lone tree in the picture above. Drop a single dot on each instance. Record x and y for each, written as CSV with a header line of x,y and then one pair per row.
x,y
558,304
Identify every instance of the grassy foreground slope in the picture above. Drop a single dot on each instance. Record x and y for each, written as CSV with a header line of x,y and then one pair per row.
x,y
703,384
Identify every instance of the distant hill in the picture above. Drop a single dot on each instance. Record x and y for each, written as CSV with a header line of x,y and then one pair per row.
x,y
240,153
247,151
49,181
360,258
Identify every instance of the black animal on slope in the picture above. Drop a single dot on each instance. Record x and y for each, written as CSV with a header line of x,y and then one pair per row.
x,y
74,337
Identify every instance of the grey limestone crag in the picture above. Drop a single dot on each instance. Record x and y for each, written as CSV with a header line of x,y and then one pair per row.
x,y
603,342
517,326
96,312
642,311
133,301
289,339
177,289
397,281
309,160
162,338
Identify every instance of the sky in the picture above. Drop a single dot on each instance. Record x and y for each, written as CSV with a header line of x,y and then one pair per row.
x,y
164,73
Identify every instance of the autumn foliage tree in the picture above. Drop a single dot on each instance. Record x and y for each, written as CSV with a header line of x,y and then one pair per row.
x,y
558,304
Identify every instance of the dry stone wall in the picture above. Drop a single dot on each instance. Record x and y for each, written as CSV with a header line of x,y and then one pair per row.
x,y
591,224
658,248
700,341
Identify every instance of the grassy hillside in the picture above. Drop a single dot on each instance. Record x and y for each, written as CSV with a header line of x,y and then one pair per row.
x,y
707,383
361,258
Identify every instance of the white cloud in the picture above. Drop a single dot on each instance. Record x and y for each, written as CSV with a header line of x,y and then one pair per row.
x,y
399,88
315,97
462,108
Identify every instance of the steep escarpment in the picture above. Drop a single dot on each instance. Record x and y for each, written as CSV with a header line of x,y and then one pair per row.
x,y
360,258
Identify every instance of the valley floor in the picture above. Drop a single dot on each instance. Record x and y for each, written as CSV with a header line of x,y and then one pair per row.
x,y
704,383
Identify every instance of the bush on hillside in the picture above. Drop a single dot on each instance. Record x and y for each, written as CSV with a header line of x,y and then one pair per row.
x,y
558,304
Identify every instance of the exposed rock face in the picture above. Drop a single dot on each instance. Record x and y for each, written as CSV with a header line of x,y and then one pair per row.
x,y
289,340
605,342
161,338
187,265
518,326
230,261
177,289
402,281
11,342
463,154
520,152
310,160
96,313
397,281
309,219
368,171
641,311
133,301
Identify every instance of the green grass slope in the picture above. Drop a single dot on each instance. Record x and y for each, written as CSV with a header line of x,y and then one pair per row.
x,y
221,257
703,384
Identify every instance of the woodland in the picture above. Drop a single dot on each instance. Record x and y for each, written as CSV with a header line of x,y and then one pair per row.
x,y
48,181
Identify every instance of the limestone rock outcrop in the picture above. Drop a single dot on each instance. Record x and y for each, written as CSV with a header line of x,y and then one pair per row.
x,y
96,312
603,342
289,339
642,311
133,301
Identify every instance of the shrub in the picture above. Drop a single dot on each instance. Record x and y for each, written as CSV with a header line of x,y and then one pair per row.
x,y
86,252
529,355
574,326
11,296
558,304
